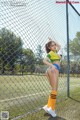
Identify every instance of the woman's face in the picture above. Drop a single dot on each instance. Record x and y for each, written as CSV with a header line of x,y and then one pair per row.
x,y
53,46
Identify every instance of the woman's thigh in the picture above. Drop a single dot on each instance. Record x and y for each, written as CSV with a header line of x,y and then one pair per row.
x,y
47,75
54,78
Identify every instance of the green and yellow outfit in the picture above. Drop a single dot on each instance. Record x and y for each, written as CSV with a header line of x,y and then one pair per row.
x,y
53,56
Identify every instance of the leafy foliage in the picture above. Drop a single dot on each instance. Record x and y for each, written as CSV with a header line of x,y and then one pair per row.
x,y
75,45
39,55
10,48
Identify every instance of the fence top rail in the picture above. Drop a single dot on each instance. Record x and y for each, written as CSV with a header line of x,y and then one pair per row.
x,y
74,8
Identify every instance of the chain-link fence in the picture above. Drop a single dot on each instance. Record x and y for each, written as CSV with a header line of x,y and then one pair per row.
x,y
25,26
74,52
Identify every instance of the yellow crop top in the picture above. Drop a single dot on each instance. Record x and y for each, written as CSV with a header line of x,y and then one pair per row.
x,y
53,56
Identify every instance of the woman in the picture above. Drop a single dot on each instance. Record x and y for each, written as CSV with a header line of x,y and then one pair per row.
x,y
52,73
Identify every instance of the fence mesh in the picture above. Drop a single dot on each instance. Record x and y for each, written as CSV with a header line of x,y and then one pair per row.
x,y
25,26
74,43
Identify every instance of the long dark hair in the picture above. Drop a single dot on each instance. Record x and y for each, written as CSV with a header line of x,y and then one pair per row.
x,y
47,46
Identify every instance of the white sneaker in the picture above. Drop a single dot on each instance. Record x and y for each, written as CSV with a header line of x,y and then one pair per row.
x,y
46,108
52,112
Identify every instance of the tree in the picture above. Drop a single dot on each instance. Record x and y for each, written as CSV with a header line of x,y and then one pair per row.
x,y
39,54
75,45
10,49
28,60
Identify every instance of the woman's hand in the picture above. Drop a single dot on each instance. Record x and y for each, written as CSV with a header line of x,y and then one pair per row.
x,y
52,68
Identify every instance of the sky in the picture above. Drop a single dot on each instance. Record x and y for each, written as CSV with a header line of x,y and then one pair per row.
x,y
36,20
77,6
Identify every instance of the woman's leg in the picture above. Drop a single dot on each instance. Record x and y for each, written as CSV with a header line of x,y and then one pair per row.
x,y
54,79
48,77
53,75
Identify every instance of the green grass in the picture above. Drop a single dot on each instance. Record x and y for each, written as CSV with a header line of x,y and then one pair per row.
x,y
22,94
66,110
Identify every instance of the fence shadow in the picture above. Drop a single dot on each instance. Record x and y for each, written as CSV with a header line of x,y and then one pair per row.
x,y
51,118
74,99
56,118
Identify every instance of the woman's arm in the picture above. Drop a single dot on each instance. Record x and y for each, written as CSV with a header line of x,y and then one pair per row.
x,y
58,46
46,61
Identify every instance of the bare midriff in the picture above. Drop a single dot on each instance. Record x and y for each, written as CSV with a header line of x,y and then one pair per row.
x,y
56,62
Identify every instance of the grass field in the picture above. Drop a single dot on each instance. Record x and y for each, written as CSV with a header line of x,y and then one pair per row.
x,y
23,94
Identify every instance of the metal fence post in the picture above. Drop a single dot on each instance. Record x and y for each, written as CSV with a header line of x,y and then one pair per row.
x,y
68,59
